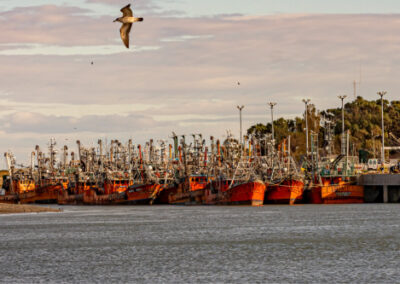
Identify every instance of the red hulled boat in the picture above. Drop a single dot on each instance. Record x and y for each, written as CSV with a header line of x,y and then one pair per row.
x,y
289,191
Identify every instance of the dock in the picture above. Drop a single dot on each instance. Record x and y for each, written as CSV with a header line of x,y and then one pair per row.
x,y
381,188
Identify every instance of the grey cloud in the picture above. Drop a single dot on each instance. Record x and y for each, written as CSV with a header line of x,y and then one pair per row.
x,y
21,122
276,58
51,24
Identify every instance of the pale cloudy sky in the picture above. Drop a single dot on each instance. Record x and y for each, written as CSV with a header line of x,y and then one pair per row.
x,y
182,70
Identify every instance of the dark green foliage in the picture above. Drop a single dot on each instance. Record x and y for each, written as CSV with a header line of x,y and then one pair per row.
x,y
362,119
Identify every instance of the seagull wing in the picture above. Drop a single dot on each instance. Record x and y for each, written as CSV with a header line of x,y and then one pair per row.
x,y
125,29
126,11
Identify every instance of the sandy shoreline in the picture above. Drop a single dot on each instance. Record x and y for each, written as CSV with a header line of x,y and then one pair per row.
x,y
19,208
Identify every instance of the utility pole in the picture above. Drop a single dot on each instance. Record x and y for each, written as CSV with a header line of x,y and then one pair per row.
x,y
240,119
381,94
272,120
343,136
306,102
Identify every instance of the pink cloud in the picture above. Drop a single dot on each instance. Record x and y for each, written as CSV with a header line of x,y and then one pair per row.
x,y
144,7
51,24
137,5
194,73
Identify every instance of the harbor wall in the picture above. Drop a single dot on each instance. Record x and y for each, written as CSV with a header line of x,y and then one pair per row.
x,y
381,188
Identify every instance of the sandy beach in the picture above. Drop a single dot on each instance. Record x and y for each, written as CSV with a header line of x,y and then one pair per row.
x,y
19,208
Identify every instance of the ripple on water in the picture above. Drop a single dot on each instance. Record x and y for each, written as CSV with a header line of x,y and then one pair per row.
x,y
168,244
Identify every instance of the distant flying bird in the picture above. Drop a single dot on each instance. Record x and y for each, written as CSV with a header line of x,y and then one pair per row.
x,y
91,62
127,19
238,83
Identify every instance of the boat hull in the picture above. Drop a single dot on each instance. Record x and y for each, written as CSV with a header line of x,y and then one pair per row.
x,y
337,194
287,192
163,196
47,194
90,197
9,198
186,197
143,194
189,192
249,193
64,198
134,195
221,193
336,191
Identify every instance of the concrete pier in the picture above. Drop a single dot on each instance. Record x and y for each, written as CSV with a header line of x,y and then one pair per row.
x,y
385,194
381,187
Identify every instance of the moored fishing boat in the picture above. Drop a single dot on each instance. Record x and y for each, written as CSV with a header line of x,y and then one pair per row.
x,y
8,195
289,191
335,182
168,189
72,193
111,191
226,192
47,191
190,191
248,193
335,190
143,193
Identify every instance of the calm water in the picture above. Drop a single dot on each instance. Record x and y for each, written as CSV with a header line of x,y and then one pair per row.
x,y
313,243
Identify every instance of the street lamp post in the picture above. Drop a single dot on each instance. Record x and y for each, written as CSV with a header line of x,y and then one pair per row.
x,y
343,150
381,94
272,120
306,101
240,120
373,143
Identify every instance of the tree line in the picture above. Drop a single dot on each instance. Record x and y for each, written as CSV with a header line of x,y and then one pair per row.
x,y
362,119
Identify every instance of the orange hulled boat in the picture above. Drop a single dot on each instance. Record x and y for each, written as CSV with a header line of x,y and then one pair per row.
x,y
121,191
143,193
335,190
289,191
13,186
226,192
47,191
72,194
190,191
111,191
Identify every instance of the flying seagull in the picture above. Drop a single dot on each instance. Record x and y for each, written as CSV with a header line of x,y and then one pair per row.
x,y
127,19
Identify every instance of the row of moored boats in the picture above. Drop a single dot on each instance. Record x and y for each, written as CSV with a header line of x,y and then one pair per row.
x,y
229,173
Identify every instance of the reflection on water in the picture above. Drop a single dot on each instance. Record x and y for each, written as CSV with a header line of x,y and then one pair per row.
x,y
152,244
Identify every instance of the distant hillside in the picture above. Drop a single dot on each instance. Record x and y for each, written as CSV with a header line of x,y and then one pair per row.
x,y
362,118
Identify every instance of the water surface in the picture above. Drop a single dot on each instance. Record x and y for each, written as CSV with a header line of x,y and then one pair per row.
x,y
168,244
